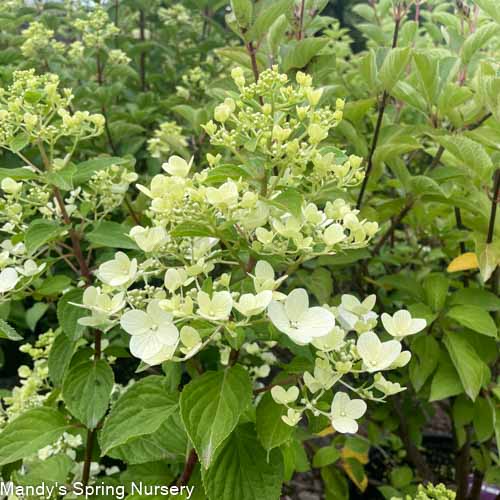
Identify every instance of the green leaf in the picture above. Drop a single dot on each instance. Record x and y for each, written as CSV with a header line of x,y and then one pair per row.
x,y
422,185
470,155
19,142
60,356
243,11
53,285
436,290
39,232
478,40
476,297
30,432
336,487
475,318
219,175
271,429
393,66
169,442
299,53
425,358
87,169
18,174
152,473
276,33
326,456
8,332
111,234
266,17
68,314
191,230
446,382
427,72
470,368
483,420
35,313
491,8
401,476
86,391
211,406
63,179
52,471
290,201
241,469
140,411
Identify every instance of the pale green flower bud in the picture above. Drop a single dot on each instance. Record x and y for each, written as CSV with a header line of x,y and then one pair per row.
x,y
303,79
10,186
314,96
316,133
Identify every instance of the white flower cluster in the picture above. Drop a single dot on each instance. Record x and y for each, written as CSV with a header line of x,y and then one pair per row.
x,y
33,109
349,347
39,42
34,386
96,29
17,271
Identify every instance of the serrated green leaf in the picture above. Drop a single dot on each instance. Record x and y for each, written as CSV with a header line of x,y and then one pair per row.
x,y
298,54
30,432
271,429
267,16
40,232
86,169
68,314
241,469
475,318
140,411
211,406
60,356
393,66
8,332
111,234
470,368
86,391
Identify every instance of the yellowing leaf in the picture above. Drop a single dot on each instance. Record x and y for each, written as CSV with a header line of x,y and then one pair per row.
x,y
356,473
463,262
327,431
359,456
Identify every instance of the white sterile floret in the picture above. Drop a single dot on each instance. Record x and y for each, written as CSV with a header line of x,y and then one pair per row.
x,y
226,196
175,278
351,310
264,278
118,272
149,239
8,279
402,360
154,335
385,386
292,417
177,166
334,234
284,396
102,306
30,268
324,376
331,342
345,411
402,324
201,247
217,308
251,305
297,320
377,355
191,341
